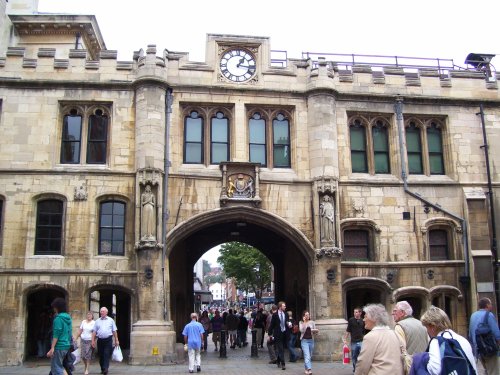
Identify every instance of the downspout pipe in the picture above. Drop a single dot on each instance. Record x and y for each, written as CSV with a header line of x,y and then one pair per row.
x,y
464,280
494,249
165,214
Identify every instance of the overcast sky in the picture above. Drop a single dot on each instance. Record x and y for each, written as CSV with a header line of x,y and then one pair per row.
x,y
427,28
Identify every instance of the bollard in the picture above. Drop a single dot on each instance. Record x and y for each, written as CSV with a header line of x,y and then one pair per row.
x,y
222,350
254,351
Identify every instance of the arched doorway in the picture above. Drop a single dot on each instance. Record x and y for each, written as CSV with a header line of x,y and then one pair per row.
x,y
39,319
118,302
360,291
287,248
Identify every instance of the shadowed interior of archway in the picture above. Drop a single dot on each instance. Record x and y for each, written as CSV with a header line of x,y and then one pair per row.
x,y
291,265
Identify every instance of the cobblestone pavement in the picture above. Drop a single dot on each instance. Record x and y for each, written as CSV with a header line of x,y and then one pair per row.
x,y
238,362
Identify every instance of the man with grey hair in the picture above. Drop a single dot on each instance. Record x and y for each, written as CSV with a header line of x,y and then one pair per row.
x,y
411,332
103,332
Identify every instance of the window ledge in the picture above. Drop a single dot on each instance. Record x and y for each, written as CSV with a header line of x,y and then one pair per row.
x,y
44,262
110,256
372,177
401,264
79,167
211,170
430,179
277,174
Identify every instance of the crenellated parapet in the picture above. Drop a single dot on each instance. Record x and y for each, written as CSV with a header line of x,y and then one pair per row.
x,y
79,67
417,80
151,66
76,67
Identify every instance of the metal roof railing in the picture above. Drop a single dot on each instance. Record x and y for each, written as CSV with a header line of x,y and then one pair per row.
x,y
346,61
279,58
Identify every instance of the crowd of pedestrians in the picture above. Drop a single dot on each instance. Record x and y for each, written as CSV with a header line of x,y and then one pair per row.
x,y
378,345
284,333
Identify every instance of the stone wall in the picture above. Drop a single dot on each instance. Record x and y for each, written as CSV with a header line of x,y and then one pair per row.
x,y
320,99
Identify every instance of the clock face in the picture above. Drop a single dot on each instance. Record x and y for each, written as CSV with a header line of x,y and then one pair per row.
x,y
237,65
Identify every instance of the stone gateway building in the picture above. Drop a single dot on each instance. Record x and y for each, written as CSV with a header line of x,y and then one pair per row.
x,y
360,181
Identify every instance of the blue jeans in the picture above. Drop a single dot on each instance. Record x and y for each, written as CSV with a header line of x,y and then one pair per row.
x,y
242,337
307,349
291,347
56,363
355,349
205,341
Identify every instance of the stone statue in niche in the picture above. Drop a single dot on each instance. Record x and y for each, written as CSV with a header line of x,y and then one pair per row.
x,y
148,208
327,227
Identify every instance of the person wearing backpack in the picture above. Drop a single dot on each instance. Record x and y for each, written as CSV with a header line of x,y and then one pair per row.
x,y
484,319
449,353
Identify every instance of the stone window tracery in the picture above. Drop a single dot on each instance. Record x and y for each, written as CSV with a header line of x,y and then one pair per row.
x,y
369,144
424,146
207,134
269,137
84,134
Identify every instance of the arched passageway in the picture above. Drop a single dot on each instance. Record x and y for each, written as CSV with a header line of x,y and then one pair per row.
x,y
288,250
39,319
118,302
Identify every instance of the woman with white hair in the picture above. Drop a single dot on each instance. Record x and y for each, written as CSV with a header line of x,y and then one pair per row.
x,y
381,352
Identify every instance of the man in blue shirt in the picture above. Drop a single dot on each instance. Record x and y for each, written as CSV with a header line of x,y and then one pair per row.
x,y
491,364
193,337
104,331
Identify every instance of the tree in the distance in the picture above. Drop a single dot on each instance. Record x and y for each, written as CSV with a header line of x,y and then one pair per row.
x,y
247,265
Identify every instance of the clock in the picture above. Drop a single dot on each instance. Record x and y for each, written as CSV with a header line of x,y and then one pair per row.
x,y
237,65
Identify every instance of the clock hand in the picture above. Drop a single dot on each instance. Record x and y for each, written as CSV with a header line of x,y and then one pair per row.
x,y
242,60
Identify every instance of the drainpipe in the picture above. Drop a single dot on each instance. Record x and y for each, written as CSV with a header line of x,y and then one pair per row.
x,y
465,279
165,214
494,249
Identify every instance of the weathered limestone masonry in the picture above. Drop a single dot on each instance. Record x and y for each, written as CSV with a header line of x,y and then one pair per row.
x,y
339,222
151,329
